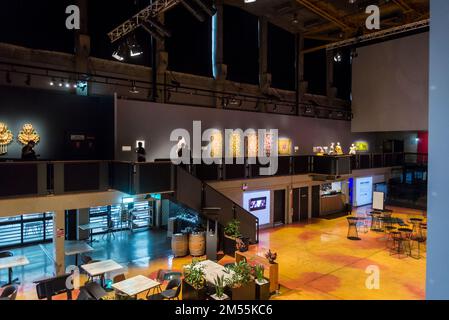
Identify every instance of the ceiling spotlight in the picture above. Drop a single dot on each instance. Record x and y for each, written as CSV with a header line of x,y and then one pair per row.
x,y
295,19
75,85
28,80
52,82
338,57
120,53
134,89
61,83
135,49
352,1
250,1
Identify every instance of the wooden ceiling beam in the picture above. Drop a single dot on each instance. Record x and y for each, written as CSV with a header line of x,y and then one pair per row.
x,y
324,14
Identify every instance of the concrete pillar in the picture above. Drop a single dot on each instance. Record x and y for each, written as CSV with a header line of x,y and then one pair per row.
x,y
438,235
300,83
58,241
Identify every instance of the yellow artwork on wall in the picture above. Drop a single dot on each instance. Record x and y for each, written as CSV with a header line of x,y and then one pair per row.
x,y
216,141
28,134
6,138
253,146
235,145
268,144
285,147
362,146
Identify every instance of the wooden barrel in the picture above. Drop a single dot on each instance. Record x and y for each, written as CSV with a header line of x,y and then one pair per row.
x,y
197,244
179,245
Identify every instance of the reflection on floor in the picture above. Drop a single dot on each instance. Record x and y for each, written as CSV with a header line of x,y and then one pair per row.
x,y
316,261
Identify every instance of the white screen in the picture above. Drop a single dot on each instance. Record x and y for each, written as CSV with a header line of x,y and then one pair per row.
x,y
378,201
263,215
390,90
364,191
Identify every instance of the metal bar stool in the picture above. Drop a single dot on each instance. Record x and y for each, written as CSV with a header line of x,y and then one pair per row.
x,y
352,229
418,237
376,222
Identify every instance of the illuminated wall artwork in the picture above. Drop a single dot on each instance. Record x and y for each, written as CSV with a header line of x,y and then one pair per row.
x,y
236,141
268,144
28,134
216,144
6,138
253,145
362,146
285,147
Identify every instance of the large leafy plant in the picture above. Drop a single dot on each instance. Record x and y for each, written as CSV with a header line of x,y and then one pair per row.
x,y
232,229
240,274
194,275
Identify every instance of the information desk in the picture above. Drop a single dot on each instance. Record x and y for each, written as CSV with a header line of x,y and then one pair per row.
x,y
331,204
271,269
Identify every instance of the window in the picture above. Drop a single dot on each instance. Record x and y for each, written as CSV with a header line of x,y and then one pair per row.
x,y
26,229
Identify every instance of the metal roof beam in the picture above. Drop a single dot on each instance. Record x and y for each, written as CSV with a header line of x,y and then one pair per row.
x,y
324,14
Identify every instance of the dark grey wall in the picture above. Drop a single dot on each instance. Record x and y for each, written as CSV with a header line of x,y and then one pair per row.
x,y
55,116
154,123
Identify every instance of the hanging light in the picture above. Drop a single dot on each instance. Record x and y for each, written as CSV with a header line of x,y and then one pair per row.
x,y
120,53
338,57
134,89
135,49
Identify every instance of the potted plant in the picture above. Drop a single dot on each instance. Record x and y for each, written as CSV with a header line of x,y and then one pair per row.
x,y
194,282
271,257
262,284
240,283
220,289
231,234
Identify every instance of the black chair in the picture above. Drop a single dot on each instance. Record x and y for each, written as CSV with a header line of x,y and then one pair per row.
x,y
9,293
94,290
170,293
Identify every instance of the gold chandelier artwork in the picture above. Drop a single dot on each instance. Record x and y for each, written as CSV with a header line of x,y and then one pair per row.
x,y
28,134
6,138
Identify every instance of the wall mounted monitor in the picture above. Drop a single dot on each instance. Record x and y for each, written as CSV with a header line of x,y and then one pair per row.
x,y
258,203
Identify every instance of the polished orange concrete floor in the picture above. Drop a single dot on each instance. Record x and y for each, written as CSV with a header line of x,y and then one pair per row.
x,y
318,262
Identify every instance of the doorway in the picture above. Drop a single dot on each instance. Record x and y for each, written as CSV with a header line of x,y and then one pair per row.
x,y
304,204
316,198
279,207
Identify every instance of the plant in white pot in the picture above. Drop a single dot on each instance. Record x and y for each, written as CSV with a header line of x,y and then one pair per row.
x,y
262,284
220,289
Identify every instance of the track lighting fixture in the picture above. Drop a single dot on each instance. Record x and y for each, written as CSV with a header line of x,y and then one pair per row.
x,y
120,52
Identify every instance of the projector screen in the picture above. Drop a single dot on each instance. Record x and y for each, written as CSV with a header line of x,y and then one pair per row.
x,y
390,85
